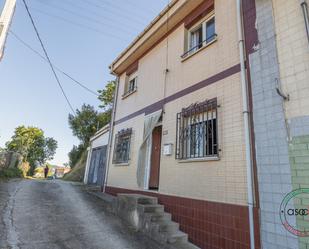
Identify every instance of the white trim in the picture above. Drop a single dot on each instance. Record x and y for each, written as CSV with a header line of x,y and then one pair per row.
x,y
198,50
121,164
148,165
202,23
203,159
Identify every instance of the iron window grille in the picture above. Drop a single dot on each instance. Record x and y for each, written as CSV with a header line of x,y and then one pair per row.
x,y
122,146
197,131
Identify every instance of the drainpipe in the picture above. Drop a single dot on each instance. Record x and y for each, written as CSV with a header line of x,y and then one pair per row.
x,y
111,132
304,7
244,85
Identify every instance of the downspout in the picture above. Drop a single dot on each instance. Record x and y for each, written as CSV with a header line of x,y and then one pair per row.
x,y
244,86
304,7
111,132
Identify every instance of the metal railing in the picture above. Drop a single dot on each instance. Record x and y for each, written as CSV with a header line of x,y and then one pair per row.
x,y
122,146
197,133
198,46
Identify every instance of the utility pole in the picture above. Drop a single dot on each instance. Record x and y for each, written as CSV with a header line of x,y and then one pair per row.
x,y
5,21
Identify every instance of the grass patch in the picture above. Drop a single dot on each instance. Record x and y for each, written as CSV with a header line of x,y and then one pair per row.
x,y
11,173
77,173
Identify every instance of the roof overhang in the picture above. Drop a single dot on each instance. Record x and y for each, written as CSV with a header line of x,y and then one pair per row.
x,y
162,25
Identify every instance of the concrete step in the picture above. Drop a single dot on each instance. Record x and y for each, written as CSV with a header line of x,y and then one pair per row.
x,y
178,237
168,226
157,216
184,245
151,208
161,217
147,200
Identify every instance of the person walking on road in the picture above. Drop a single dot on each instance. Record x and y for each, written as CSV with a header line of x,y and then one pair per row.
x,y
46,171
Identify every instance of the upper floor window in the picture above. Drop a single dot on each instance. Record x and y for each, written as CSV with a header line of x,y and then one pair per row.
x,y
122,146
130,84
197,131
200,35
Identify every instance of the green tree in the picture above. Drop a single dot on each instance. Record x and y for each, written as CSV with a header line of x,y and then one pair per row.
x,y
34,147
107,95
75,154
86,122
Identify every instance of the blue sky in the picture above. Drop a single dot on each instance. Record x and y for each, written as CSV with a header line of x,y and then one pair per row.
x,y
82,38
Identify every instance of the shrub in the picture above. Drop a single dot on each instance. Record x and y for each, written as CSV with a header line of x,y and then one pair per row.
x,y
11,173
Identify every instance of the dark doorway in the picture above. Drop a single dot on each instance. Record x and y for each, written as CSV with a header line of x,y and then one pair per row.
x,y
155,158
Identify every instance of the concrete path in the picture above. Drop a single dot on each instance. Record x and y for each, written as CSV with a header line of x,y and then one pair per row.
x,y
58,215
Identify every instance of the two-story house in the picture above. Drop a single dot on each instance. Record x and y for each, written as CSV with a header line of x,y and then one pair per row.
x,y
178,126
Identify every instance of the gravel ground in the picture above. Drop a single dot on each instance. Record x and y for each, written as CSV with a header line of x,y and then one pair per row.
x,y
59,215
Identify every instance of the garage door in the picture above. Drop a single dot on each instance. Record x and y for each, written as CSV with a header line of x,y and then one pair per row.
x,y
97,167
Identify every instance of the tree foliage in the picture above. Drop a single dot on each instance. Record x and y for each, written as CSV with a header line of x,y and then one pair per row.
x,y
107,95
75,154
86,122
34,147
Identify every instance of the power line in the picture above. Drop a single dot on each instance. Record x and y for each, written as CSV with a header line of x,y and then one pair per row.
x,y
47,57
90,19
122,11
57,68
130,3
59,18
94,13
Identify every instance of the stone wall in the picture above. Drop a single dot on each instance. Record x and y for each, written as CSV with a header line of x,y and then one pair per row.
x,y
9,160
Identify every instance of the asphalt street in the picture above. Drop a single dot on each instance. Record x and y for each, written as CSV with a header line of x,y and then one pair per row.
x,y
59,215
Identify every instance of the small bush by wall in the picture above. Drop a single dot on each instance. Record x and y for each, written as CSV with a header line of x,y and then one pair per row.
x,y
11,173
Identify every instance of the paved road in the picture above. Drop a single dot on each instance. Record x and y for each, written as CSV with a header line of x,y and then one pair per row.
x,y
58,215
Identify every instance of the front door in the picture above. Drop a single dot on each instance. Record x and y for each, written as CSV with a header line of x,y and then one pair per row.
x,y
155,158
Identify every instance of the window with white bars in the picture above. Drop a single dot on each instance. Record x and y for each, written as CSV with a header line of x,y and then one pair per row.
x,y
197,132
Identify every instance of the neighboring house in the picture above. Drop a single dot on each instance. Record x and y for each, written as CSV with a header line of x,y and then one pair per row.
x,y
5,22
280,66
61,171
96,158
178,130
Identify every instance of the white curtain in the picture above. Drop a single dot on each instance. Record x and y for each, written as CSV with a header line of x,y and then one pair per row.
x,y
150,123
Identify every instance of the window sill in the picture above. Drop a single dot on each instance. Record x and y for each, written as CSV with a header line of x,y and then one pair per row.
x,y
121,164
204,159
128,94
200,49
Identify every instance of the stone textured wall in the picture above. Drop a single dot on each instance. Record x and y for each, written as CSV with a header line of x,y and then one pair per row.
x,y
9,160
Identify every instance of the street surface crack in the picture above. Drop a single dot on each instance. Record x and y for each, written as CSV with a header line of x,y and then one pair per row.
x,y
8,219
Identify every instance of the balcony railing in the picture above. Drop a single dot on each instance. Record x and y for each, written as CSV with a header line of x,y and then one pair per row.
x,y
199,46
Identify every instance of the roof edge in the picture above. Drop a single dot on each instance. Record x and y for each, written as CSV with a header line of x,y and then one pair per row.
x,y
148,27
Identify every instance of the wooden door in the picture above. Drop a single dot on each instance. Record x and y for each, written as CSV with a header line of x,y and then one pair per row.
x,y
155,158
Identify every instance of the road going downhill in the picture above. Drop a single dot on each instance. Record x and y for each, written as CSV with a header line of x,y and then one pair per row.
x,y
58,215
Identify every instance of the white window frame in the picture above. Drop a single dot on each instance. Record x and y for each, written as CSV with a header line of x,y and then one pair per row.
x,y
129,78
202,23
